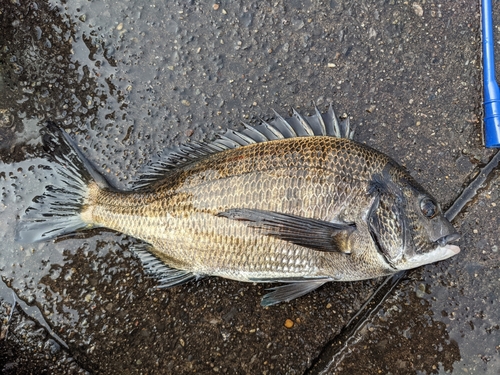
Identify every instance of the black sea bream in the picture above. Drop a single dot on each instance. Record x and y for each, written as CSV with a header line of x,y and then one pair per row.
x,y
294,201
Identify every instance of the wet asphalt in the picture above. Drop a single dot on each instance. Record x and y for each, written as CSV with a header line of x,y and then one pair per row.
x,y
128,79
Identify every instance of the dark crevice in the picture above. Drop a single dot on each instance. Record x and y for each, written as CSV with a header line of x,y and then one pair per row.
x,y
472,189
333,351
33,313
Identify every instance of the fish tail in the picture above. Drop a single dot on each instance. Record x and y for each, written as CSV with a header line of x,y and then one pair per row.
x,y
60,210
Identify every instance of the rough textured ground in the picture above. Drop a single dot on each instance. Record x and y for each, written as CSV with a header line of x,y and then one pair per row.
x,y
131,78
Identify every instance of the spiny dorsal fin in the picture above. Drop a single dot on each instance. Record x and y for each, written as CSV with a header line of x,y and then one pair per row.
x,y
302,128
318,124
284,126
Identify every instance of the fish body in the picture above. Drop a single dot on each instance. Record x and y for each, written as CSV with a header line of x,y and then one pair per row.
x,y
293,201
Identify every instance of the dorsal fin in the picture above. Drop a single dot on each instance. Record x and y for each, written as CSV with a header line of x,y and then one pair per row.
x,y
318,124
302,127
284,126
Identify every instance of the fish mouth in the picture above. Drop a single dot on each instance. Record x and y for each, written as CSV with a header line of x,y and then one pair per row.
x,y
442,251
445,240
445,248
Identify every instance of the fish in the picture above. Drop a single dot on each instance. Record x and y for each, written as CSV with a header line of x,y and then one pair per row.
x,y
294,201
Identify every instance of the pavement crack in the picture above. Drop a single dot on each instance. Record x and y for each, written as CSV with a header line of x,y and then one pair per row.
x,y
334,351
34,313
472,189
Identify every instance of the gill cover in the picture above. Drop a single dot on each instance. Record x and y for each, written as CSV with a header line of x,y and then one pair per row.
x,y
386,219
406,224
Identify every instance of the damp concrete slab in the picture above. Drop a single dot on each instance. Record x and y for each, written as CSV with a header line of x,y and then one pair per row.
x,y
128,79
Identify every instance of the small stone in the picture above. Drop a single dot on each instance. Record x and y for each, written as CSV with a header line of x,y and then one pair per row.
x,y
6,119
120,26
189,132
185,102
328,305
288,323
216,6
417,8
420,292
371,108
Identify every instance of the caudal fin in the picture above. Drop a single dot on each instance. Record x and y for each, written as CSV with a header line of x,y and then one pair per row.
x,y
58,210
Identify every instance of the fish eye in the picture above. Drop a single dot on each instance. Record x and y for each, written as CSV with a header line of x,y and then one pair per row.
x,y
428,208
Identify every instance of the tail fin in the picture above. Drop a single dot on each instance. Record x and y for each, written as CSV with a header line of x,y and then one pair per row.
x,y
58,210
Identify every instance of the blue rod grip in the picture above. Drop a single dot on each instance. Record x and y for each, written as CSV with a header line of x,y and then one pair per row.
x,y
491,90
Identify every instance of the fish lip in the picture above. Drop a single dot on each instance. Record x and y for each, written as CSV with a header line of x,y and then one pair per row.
x,y
448,251
445,240
452,249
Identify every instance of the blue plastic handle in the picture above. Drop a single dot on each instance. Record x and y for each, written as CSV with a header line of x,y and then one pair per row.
x,y
491,90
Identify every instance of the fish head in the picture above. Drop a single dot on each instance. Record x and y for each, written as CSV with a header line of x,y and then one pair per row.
x,y
406,223
431,233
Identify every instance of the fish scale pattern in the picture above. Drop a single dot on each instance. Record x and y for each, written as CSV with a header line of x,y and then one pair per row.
x,y
321,177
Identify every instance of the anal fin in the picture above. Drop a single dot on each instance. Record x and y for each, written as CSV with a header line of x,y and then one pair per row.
x,y
167,277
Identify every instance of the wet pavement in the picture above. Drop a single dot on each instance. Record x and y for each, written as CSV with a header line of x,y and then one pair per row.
x,y
128,79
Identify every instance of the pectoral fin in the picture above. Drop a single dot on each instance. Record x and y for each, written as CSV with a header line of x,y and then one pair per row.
x,y
315,234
